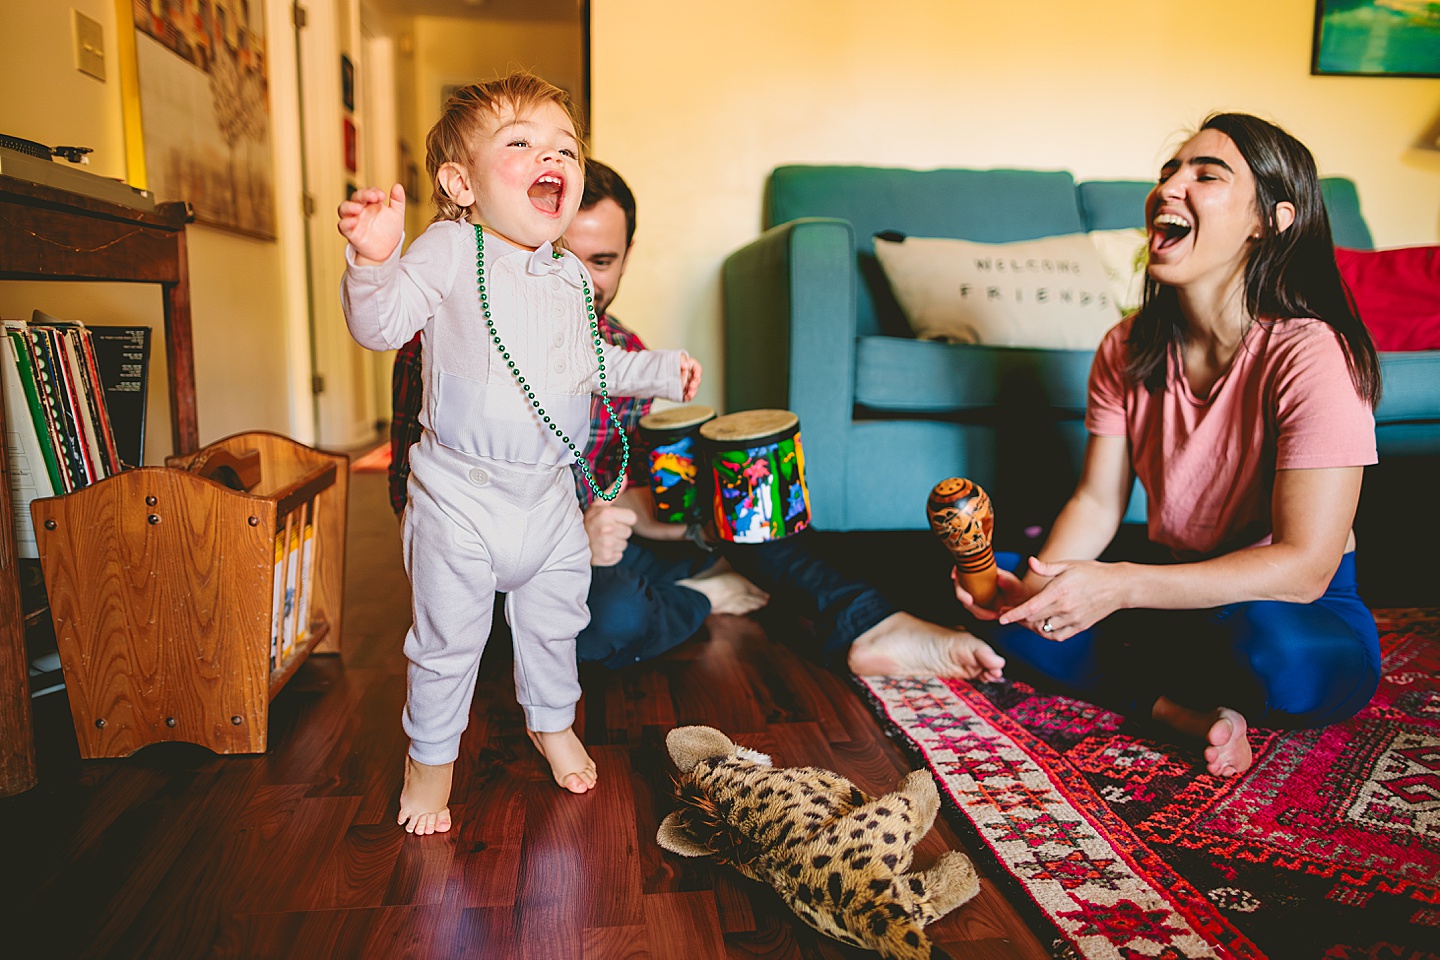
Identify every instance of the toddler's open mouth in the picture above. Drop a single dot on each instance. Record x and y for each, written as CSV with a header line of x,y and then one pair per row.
x,y
546,193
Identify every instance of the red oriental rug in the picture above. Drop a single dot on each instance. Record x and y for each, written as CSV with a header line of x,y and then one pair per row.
x,y
1328,847
376,461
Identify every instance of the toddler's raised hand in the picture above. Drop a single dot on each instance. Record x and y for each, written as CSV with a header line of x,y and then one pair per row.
x,y
373,222
689,376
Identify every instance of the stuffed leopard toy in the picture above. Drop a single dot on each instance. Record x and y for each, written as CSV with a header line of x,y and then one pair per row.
x,y
837,857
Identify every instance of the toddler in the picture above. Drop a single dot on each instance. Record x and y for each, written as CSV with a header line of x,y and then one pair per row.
x,y
512,355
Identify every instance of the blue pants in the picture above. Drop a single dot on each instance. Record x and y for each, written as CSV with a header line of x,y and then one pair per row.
x,y
638,610
1280,664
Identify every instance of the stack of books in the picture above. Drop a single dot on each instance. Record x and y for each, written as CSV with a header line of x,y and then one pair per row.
x,y
60,432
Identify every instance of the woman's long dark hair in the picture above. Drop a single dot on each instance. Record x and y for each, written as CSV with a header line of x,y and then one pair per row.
x,y
1291,273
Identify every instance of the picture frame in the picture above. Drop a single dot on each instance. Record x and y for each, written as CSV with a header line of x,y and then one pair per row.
x,y
347,83
352,146
1376,38
195,98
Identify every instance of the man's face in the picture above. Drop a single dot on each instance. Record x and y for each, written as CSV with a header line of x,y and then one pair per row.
x,y
597,237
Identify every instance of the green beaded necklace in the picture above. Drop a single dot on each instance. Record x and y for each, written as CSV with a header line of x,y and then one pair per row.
x,y
614,491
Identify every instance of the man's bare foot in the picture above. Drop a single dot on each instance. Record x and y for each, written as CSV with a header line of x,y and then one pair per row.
x,y
569,763
903,645
727,591
425,797
1227,750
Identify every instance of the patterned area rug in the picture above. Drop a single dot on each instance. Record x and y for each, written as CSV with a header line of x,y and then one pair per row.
x,y
1328,847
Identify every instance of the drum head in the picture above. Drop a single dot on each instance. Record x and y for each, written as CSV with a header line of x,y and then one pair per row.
x,y
755,426
677,418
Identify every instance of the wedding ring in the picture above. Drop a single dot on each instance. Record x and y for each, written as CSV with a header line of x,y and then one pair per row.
x,y
1045,627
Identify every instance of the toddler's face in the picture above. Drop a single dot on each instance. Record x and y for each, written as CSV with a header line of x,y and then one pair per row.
x,y
525,172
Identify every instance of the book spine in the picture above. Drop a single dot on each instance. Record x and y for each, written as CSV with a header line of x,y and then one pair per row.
x,y
48,376
20,342
307,562
292,584
83,399
277,600
95,394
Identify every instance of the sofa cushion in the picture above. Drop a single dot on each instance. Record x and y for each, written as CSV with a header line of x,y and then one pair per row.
x,y
1397,293
991,206
1124,254
903,376
1051,292
1409,381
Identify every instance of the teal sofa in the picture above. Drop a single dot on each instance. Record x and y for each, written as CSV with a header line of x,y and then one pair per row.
x,y
811,326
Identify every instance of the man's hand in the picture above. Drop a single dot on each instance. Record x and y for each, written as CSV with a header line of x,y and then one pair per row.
x,y
689,376
371,224
608,528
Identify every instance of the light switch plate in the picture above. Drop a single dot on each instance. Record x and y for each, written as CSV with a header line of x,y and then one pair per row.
x,y
89,45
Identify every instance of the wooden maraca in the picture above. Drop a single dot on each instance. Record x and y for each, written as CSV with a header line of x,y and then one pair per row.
x,y
961,515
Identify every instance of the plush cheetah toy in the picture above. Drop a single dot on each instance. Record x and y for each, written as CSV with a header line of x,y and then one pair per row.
x,y
837,857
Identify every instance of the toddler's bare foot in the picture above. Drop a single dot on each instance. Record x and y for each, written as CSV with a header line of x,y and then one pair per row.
x,y
727,591
571,765
1227,750
425,798
903,645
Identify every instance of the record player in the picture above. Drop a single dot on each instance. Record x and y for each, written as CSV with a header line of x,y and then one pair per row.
x,y
31,161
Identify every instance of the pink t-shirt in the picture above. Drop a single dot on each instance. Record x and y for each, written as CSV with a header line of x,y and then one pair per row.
x,y
1208,466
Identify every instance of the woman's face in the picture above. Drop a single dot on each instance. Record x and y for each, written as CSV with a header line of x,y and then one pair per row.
x,y
1201,214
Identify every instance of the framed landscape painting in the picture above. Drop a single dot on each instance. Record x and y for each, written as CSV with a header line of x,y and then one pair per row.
x,y
1377,38
197,95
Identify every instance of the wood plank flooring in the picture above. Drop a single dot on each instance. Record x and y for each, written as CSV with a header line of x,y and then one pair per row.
x,y
176,853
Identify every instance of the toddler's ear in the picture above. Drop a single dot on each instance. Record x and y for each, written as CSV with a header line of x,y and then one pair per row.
x,y
456,184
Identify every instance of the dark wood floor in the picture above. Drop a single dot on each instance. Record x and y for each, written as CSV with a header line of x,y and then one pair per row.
x,y
177,853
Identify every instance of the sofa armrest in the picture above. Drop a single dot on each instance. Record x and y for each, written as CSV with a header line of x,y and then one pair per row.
x,y
790,343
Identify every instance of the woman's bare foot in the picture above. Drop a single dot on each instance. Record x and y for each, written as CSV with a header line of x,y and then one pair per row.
x,y
903,645
727,591
1227,750
569,763
425,797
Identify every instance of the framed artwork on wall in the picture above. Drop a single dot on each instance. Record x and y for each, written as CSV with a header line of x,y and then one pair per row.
x,y
195,91
352,146
347,83
1377,38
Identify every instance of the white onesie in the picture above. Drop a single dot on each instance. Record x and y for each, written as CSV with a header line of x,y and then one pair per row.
x,y
491,497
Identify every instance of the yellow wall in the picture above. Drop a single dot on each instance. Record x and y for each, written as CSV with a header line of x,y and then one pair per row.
x,y
696,103
452,51
236,299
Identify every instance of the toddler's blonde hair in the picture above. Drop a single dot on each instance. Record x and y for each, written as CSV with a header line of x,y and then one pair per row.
x,y
463,115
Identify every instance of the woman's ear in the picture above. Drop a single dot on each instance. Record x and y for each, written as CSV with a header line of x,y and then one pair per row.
x,y
455,182
1284,215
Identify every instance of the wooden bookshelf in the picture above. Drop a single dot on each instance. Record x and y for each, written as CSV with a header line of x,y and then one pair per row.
x,y
52,234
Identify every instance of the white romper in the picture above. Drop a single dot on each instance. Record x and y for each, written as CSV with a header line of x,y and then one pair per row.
x,y
491,495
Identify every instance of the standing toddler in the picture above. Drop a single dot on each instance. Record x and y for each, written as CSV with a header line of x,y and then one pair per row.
x,y
511,358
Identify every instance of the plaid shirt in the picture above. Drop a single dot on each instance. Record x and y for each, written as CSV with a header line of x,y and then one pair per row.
x,y
603,450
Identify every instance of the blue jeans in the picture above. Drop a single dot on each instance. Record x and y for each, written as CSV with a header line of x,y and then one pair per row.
x,y
1280,664
638,610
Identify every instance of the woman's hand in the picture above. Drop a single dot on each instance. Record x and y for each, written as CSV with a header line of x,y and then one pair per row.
x,y
1078,594
1010,592
373,221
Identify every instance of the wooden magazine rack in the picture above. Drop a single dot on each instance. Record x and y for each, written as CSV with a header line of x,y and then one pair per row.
x,y
162,582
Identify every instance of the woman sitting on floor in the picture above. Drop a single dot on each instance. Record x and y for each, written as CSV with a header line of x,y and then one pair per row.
x,y
1241,396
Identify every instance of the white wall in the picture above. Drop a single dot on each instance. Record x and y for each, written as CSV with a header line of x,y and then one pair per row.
x,y
695,103
239,309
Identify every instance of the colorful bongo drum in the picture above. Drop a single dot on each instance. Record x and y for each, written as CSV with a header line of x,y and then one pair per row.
x,y
670,440
758,473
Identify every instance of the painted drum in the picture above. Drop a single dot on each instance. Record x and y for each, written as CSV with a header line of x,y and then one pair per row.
x,y
757,469
670,438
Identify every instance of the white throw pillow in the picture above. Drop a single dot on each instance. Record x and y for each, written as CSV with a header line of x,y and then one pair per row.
x,y
1051,292
1125,254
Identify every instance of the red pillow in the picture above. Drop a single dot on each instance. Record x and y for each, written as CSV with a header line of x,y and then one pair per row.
x,y
1397,293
